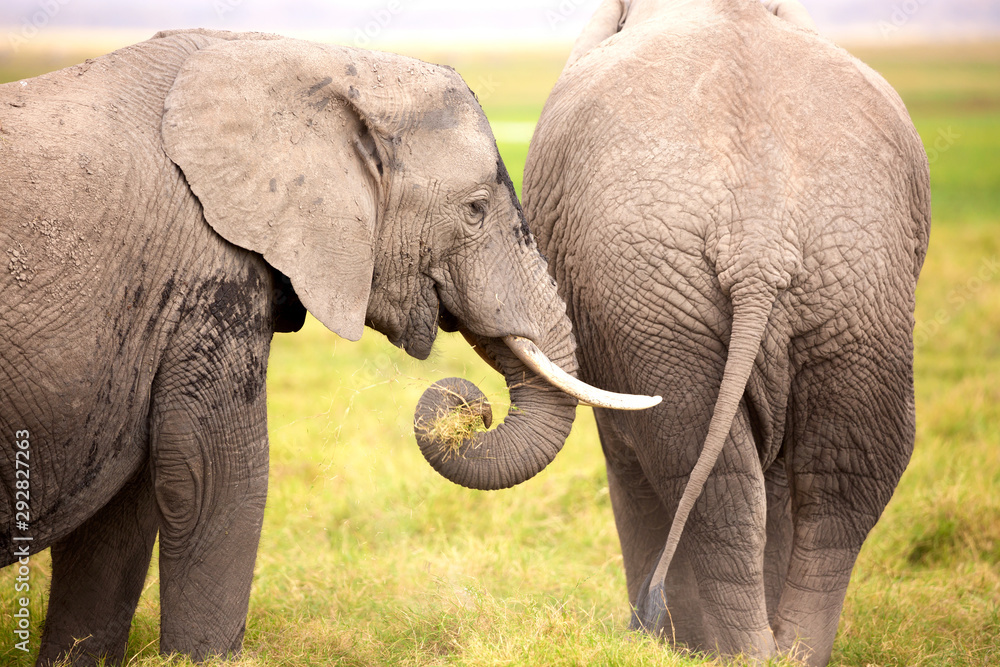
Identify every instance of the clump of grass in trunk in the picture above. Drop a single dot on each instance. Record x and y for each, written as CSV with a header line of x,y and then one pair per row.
x,y
456,425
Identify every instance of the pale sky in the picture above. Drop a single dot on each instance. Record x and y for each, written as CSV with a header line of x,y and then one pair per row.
x,y
377,20
377,23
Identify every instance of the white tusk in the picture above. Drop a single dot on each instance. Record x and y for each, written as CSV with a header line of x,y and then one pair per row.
x,y
534,359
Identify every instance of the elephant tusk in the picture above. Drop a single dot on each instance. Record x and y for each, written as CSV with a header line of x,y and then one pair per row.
x,y
534,359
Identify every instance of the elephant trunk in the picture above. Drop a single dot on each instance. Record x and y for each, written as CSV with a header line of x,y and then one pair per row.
x,y
533,432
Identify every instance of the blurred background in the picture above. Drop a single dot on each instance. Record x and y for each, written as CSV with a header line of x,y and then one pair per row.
x,y
510,22
369,558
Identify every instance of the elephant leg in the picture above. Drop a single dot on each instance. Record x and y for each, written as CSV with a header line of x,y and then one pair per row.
x,y
643,524
684,623
209,456
98,572
852,438
727,540
778,548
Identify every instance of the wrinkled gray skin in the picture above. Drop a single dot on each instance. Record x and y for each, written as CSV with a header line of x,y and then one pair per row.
x,y
150,199
736,212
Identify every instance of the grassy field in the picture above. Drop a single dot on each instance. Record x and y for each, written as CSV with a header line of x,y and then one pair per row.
x,y
369,558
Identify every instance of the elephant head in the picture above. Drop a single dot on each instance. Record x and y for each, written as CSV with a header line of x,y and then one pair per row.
x,y
374,183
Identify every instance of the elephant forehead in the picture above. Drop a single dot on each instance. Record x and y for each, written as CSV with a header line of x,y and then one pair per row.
x,y
462,151
450,108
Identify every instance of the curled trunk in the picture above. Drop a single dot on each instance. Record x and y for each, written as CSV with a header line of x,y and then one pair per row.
x,y
529,438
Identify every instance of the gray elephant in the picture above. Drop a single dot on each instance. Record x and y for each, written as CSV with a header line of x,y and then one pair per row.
x,y
164,210
736,212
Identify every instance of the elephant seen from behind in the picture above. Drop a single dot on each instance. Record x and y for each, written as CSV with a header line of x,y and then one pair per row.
x,y
736,212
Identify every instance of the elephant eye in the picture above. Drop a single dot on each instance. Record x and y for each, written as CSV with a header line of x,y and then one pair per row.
x,y
476,212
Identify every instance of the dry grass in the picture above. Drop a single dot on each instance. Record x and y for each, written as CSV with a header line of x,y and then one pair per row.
x,y
455,426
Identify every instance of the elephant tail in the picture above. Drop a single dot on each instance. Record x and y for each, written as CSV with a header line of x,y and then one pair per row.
x,y
752,304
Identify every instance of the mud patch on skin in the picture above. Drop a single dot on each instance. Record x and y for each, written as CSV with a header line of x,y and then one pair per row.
x,y
320,86
52,240
439,119
18,265
228,302
233,311
448,115
154,320
254,379
137,296
168,290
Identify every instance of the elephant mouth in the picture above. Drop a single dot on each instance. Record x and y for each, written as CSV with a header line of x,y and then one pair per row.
x,y
446,320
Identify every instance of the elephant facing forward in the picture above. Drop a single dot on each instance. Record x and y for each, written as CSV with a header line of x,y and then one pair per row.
x,y
736,212
152,203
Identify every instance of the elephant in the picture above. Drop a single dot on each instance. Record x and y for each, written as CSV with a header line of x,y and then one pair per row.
x,y
166,209
791,11
736,212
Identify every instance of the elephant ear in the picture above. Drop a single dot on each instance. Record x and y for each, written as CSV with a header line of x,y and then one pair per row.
x,y
274,143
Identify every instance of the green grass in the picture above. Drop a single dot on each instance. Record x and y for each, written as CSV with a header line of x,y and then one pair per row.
x,y
369,558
